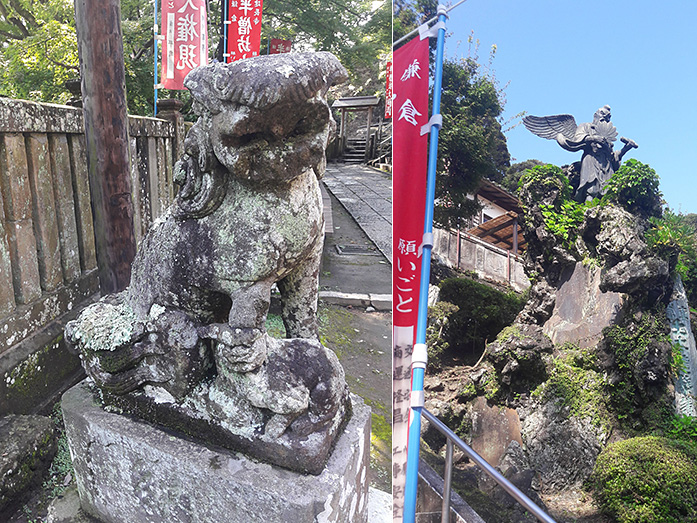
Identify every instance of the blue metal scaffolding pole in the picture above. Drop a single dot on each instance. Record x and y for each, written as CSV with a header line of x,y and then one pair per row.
x,y
419,356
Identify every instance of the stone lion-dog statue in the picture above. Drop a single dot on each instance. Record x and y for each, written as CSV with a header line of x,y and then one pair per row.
x,y
185,345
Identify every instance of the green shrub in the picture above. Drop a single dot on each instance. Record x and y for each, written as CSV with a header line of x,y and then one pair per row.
x,y
565,221
541,178
647,479
483,313
564,216
438,319
635,187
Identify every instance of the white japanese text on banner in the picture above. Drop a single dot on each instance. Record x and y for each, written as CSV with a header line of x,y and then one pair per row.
x,y
410,153
244,29
186,40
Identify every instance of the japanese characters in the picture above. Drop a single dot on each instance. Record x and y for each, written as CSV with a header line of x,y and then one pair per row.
x,y
186,40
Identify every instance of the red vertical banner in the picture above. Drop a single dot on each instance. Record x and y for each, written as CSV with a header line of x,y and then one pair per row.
x,y
388,91
410,165
278,46
244,29
409,179
185,47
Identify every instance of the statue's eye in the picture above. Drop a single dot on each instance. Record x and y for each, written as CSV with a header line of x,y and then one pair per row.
x,y
246,139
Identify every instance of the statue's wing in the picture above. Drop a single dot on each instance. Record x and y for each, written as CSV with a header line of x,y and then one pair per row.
x,y
550,126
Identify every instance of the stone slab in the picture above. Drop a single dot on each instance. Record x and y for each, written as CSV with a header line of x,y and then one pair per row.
x,y
581,310
493,429
354,299
127,470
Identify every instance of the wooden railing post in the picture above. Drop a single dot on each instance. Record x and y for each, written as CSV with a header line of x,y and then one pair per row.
x,y
170,109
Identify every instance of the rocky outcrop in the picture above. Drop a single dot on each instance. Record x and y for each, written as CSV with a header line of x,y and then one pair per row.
x,y
593,326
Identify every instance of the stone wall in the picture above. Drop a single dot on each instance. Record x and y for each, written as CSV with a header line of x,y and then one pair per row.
x,y
464,252
48,264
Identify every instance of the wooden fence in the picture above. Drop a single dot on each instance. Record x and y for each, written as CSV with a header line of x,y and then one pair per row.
x,y
48,264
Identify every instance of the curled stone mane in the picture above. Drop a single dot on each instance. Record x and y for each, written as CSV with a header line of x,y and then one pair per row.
x,y
281,78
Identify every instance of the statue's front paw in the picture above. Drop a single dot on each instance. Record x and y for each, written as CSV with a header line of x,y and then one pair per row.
x,y
236,350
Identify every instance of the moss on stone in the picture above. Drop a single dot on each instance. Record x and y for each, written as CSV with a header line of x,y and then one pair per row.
x,y
576,380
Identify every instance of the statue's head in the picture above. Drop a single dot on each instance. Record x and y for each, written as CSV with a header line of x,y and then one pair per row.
x,y
265,117
602,114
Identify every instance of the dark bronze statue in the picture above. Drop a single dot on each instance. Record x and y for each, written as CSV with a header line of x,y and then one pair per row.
x,y
599,161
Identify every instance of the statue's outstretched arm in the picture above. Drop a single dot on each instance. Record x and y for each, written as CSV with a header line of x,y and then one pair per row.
x,y
574,144
628,146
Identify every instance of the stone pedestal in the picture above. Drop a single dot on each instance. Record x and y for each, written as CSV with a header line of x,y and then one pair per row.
x,y
128,470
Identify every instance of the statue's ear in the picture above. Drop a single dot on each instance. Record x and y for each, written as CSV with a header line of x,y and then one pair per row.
x,y
334,73
207,85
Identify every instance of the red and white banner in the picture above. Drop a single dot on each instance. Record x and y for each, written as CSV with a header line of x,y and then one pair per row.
x,y
278,46
410,163
186,40
409,179
388,91
244,29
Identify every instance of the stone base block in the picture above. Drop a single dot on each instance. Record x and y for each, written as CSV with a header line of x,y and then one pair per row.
x,y
128,470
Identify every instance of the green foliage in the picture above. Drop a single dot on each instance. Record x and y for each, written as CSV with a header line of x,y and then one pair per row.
x,y
647,479
635,187
511,179
39,52
358,32
541,178
438,318
483,313
682,427
564,223
40,49
62,464
471,145
677,363
563,217
673,237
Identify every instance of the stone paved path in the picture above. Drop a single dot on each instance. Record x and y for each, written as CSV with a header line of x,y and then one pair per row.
x,y
366,193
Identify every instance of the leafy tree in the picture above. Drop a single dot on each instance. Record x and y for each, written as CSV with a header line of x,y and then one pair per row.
x,y
515,171
40,52
358,34
471,144
40,49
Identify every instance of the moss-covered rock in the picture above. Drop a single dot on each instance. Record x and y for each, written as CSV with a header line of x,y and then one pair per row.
x,y
27,446
648,479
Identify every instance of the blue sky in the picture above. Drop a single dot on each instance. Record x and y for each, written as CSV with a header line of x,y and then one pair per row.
x,y
563,56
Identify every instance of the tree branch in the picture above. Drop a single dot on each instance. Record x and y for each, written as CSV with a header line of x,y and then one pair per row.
x,y
58,63
142,50
27,15
11,35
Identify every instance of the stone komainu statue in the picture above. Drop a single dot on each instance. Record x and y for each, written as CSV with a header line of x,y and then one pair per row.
x,y
599,161
185,344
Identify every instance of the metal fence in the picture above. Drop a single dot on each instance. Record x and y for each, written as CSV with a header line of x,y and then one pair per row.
x,y
452,441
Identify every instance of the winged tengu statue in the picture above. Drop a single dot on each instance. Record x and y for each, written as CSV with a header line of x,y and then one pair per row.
x,y
599,161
